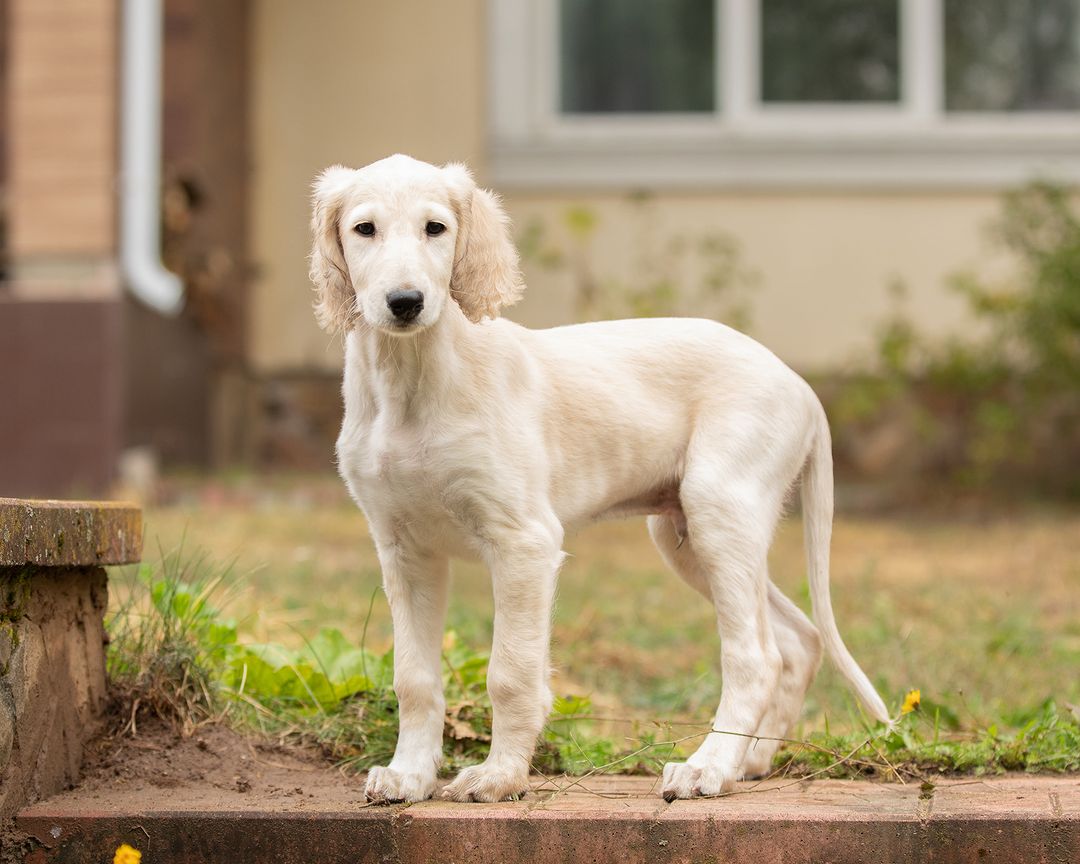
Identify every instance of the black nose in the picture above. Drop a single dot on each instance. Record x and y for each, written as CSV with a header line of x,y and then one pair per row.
x,y
405,305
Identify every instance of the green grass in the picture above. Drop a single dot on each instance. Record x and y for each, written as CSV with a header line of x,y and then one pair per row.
x,y
983,617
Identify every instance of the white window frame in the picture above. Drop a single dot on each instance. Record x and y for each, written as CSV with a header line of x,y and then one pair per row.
x,y
746,143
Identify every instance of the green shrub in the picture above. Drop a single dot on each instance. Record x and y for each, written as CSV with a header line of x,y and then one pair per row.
x,y
997,410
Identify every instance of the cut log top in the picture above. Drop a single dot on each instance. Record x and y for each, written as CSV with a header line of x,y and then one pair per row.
x,y
69,533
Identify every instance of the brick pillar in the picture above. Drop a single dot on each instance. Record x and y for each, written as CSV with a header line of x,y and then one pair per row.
x,y
60,338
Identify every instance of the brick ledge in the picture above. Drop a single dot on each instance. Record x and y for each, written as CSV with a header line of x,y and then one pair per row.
x,y
620,819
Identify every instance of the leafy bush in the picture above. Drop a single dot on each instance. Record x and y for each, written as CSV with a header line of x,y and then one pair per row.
x,y
997,410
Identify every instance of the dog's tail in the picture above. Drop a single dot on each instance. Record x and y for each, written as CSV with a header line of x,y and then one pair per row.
x,y
817,505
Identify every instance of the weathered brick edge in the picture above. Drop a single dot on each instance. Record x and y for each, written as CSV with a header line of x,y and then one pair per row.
x,y
461,835
53,597
76,533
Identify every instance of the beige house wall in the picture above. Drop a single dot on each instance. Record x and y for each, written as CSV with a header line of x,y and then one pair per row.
x,y
349,82
342,81
816,268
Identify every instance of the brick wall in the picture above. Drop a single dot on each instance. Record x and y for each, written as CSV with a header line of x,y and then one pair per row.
x,y
60,338
61,121
60,396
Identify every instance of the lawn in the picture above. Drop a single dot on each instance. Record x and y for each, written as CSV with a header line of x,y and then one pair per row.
x,y
981,614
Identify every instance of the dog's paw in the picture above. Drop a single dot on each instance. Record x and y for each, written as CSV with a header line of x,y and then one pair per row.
x,y
684,780
488,782
389,786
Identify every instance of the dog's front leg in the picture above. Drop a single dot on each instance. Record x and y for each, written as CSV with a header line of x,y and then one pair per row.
x,y
523,571
416,587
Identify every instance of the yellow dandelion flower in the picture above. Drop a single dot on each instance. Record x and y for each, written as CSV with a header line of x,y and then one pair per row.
x,y
127,855
911,701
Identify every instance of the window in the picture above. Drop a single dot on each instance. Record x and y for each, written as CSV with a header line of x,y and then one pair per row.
x,y
1012,55
636,55
830,51
751,92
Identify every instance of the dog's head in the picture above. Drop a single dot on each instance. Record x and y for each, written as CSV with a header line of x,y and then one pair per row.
x,y
394,241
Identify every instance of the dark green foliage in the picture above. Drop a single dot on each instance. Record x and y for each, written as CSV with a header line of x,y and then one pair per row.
x,y
1000,408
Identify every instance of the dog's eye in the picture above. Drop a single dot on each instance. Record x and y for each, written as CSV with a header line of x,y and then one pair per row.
x,y
434,229
365,229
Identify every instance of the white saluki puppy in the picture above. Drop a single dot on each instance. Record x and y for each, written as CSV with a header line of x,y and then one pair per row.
x,y
468,435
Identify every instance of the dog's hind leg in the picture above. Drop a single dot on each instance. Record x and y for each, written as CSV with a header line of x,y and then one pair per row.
x,y
800,647
796,638
731,495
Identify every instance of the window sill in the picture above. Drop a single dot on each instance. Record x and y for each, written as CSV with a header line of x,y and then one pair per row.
x,y
621,154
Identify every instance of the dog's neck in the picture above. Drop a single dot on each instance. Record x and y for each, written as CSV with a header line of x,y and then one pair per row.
x,y
402,374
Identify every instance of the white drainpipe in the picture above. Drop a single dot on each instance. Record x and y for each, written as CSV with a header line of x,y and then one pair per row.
x,y
140,161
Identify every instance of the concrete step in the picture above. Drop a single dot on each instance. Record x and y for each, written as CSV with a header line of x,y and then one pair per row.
x,y
599,819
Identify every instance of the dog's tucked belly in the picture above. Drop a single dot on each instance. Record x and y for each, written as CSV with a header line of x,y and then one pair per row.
x,y
660,502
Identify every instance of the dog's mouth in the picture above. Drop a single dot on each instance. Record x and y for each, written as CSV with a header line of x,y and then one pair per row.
x,y
403,328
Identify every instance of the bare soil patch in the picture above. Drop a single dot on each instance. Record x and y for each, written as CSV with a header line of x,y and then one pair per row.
x,y
216,769
241,770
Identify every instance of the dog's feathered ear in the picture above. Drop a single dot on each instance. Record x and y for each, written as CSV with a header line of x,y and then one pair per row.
x,y
486,276
335,300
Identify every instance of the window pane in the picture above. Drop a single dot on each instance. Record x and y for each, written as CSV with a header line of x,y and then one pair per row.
x,y
637,55
830,51
1012,55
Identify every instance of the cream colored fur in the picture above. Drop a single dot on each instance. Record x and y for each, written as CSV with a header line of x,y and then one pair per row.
x,y
467,435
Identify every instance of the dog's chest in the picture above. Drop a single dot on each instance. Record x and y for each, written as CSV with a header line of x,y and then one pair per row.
x,y
387,464
409,474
